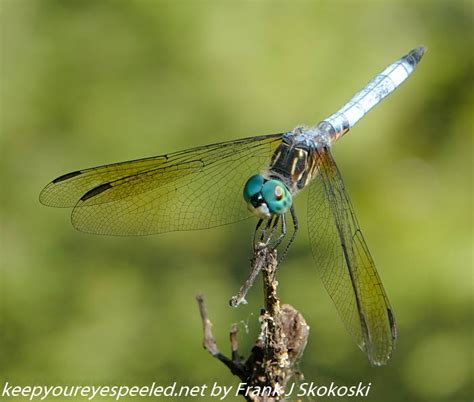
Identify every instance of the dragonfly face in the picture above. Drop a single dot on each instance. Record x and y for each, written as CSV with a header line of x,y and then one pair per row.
x,y
266,197
201,188
291,168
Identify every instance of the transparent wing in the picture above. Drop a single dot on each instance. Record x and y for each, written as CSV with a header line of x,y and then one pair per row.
x,y
194,189
345,265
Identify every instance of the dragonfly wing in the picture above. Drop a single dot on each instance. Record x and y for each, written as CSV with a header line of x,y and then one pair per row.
x,y
193,189
345,265
66,190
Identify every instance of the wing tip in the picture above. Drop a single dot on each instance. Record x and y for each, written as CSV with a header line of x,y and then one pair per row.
x,y
380,358
45,197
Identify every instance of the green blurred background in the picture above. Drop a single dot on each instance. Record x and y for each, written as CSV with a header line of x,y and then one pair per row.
x,y
87,83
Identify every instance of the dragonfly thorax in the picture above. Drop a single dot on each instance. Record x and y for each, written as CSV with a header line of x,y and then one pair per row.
x,y
294,161
267,197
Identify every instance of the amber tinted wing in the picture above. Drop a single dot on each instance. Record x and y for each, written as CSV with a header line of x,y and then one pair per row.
x,y
346,267
193,189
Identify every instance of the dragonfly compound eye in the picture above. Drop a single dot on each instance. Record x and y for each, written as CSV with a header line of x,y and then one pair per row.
x,y
276,196
253,196
253,187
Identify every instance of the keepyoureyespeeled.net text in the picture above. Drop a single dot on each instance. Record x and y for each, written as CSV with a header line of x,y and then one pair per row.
x,y
215,391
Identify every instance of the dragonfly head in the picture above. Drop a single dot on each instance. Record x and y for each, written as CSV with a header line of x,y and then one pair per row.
x,y
266,197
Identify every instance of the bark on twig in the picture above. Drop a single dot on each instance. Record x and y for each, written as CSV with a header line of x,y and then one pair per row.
x,y
280,344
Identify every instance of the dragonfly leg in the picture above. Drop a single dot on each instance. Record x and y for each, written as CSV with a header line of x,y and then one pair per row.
x,y
283,232
276,220
293,235
259,223
264,231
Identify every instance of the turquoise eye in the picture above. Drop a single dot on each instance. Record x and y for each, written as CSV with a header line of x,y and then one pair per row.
x,y
265,198
277,196
253,186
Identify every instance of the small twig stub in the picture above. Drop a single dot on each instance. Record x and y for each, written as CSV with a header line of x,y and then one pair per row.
x,y
257,264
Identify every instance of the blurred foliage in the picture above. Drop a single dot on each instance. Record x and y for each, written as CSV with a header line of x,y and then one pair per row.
x,y
85,83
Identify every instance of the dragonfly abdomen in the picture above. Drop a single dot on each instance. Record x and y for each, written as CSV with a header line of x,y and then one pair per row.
x,y
382,85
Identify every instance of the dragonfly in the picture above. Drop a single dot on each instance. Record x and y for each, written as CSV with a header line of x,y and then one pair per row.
x,y
202,187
